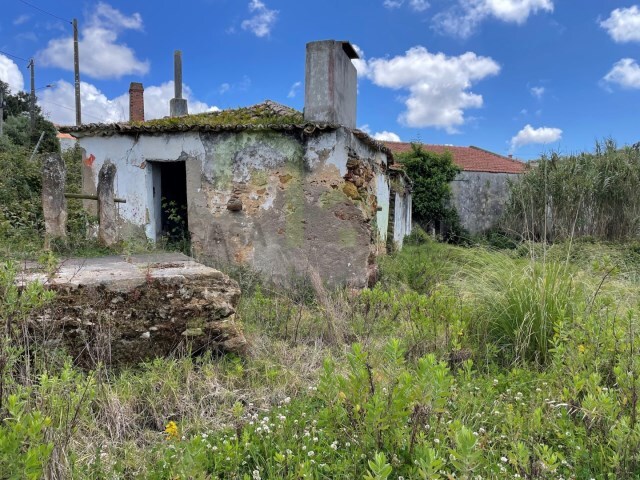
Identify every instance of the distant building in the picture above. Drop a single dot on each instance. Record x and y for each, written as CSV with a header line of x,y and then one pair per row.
x,y
482,189
67,142
265,186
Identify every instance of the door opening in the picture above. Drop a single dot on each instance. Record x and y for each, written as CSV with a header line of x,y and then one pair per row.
x,y
170,198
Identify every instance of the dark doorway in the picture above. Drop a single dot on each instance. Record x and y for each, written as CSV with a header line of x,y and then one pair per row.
x,y
173,219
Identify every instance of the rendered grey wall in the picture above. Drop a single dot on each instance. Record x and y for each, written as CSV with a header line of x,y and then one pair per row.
x,y
480,198
331,85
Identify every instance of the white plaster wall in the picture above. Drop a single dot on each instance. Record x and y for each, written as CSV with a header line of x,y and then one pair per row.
x,y
383,190
408,219
133,181
329,144
402,218
67,144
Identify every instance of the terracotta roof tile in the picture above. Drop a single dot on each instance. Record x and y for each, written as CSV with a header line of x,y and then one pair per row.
x,y
469,159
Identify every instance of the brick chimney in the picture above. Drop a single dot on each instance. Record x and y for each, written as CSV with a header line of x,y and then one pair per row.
x,y
136,102
331,83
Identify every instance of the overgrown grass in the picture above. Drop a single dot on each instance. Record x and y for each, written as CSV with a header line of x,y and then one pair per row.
x,y
461,361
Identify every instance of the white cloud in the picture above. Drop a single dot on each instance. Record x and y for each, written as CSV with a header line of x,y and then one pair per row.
x,y
262,21
385,136
438,85
101,56
537,92
419,5
623,25
463,19
241,86
293,91
58,103
360,63
10,73
529,135
415,5
20,19
625,72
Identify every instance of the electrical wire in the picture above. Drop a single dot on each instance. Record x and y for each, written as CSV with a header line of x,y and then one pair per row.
x,y
44,11
14,56
69,108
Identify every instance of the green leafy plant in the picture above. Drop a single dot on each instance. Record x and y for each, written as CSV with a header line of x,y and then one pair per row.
x,y
431,174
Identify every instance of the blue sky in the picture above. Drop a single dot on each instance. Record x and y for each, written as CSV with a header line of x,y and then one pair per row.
x,y
511,76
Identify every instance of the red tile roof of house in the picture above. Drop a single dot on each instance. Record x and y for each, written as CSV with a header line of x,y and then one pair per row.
x,y
469,159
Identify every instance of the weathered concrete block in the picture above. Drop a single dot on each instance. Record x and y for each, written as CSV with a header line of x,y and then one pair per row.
x,y
108,229
121,312
178,107
54,204
331,83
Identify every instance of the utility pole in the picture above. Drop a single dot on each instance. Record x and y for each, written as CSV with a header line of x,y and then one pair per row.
x,y
76,66
32,109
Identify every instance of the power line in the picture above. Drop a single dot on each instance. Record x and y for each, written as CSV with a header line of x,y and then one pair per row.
x,y
44,11
14,56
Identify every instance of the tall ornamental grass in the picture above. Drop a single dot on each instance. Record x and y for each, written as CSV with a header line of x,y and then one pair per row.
x,y
585,195
519,304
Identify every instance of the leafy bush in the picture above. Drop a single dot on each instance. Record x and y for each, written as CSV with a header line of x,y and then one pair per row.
x,y
431,174
24,449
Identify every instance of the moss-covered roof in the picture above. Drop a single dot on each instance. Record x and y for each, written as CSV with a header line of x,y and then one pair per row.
x,y
267,115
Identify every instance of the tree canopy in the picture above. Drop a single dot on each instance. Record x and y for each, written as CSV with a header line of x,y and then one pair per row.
x,y
17,128
431,174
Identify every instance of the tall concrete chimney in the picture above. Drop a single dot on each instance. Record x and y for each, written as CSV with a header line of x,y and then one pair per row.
x,y
178,105
331,83
136,102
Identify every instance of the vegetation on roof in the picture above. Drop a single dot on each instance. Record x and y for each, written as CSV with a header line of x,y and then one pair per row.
x,y
266,113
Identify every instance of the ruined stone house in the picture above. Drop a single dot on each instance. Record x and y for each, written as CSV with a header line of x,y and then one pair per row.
x,y
266,186
481,190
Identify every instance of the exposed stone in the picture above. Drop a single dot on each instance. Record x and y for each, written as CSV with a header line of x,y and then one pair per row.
x,y
107,232
169,304
351,191
54,205
285,178
234,204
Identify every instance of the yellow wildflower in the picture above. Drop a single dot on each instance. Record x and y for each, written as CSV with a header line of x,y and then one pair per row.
x,y
581,348
172,431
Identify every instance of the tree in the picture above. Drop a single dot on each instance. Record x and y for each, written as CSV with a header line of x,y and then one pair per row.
x,y
17,106
431,174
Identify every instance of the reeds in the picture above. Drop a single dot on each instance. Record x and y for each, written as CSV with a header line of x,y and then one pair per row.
x,y
585,195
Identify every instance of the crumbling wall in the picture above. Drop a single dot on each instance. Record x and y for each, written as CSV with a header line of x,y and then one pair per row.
x,y
285,205
123,312
281,202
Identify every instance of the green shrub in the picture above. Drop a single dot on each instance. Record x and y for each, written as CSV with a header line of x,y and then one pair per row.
x,y
24,450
